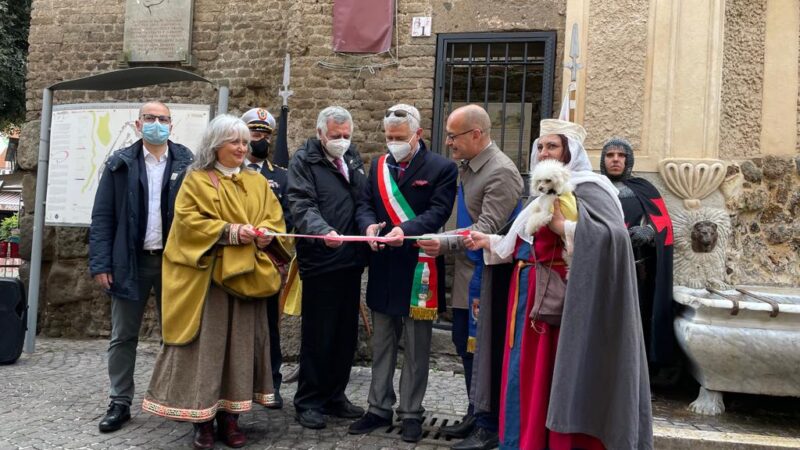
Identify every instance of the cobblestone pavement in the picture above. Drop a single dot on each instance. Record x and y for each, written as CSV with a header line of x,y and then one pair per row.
x,y
54,399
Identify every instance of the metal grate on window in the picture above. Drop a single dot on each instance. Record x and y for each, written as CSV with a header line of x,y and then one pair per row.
x,y
510,74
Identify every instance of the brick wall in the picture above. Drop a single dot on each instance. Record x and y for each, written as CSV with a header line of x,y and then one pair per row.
x,y
241,44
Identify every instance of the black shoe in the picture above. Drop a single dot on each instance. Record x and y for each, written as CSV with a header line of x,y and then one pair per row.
x,y
344,410
412,430
274,401
368,423
116,415
311,418
461,429
664,377
480,439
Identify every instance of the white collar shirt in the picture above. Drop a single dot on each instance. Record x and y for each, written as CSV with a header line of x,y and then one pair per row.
x,y
153,236
259,164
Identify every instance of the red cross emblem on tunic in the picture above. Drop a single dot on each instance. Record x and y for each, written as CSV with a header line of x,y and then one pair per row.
x,y
662,221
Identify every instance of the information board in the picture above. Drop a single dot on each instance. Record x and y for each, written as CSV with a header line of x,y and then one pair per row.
x,y
82,137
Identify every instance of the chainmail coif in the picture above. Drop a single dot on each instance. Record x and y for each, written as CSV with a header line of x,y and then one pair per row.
x,y
626,147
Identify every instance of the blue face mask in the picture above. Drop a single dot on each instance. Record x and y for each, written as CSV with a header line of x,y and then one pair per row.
x,y
155,133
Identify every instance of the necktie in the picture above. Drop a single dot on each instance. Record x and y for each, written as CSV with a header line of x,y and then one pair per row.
x,y
402,171
254,166
341,168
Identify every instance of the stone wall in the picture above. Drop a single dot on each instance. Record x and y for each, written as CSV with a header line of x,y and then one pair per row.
x,y
614,60
764,202
742,79
365,94
242,44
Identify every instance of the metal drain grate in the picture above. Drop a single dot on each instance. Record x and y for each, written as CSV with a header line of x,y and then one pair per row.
x,y
431,421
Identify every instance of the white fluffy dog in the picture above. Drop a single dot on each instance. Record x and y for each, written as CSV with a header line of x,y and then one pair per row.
x,y
550,179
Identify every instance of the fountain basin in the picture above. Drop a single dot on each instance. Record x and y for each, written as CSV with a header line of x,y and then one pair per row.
x,y
740,348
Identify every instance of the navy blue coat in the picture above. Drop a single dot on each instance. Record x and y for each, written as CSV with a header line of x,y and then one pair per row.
x,y
277,178
429,187
322,200
119,215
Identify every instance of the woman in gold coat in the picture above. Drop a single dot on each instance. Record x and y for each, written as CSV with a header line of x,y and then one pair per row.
x,y
218,273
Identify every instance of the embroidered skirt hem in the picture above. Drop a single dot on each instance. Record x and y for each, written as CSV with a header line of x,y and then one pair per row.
x,y
226,368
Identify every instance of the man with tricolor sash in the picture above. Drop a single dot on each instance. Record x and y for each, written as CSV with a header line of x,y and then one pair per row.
x,y
410,192
489,191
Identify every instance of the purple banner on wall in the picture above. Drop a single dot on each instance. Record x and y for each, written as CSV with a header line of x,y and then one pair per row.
x,y
362,26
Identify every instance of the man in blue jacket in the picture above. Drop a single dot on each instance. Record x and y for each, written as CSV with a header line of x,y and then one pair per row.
x,y
410,192
132,213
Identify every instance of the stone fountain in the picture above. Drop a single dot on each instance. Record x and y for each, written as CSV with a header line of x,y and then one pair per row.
x,y
737,339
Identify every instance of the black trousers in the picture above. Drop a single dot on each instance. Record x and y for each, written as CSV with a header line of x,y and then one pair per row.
x,y
275,357
459,337
328,337
501,278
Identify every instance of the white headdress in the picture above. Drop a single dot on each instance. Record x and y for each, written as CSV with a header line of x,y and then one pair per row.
x,y
581,172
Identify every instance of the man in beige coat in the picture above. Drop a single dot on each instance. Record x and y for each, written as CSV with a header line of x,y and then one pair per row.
x,y
490,188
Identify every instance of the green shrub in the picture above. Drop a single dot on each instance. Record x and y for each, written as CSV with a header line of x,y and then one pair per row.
x,y
7,225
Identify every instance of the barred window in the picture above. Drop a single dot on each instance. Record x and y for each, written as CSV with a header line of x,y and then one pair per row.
x,y
510,74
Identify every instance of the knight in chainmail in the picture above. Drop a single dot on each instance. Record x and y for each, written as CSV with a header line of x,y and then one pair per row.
x,y
650,230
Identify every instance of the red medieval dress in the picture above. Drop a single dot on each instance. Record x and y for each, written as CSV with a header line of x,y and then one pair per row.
x,y
530,355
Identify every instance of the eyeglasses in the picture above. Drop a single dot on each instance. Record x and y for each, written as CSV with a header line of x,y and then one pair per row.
x,y
400,113
452,137
150,118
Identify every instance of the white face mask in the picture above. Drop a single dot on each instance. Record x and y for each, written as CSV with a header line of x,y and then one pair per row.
x,y
337,147
400,150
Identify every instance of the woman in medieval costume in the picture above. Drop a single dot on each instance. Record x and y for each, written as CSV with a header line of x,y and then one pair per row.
x,y
575,372
218,272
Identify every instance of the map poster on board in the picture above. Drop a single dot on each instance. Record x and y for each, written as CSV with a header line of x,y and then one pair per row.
x,y
83,136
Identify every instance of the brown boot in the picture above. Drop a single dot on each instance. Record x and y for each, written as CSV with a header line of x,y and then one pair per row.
x,y
228,430
204,435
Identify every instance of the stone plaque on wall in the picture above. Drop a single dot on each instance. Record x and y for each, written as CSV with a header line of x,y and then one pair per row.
x,y
158,31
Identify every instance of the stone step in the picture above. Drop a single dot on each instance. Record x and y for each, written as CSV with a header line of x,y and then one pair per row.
x,y
674,438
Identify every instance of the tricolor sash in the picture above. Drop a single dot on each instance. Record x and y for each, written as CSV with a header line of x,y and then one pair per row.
x,y
463,220
424,289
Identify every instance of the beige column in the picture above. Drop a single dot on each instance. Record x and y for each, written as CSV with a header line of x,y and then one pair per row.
x,y
683,81
779,105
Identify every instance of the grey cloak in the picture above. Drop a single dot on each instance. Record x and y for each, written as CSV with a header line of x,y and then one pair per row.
x,y
600,380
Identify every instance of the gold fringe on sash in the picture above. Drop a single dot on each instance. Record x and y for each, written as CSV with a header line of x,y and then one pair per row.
x,y
472,343
419,313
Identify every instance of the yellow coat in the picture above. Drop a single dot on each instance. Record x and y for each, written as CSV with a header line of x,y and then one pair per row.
x,y
192,258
